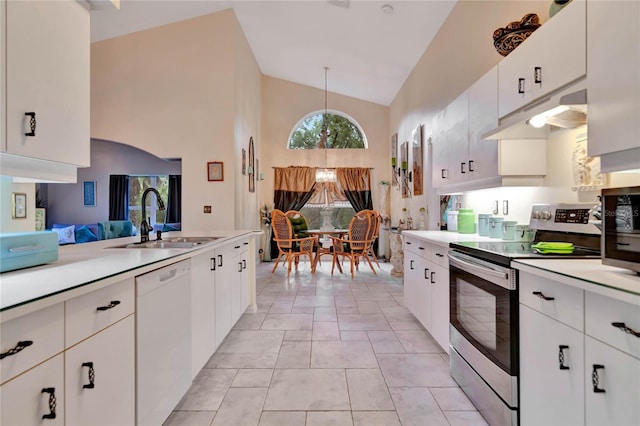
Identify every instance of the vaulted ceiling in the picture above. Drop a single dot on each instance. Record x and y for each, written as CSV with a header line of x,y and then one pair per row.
x,y
370,47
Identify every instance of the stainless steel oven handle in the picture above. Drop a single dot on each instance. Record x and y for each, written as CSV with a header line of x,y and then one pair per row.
x,y
474,267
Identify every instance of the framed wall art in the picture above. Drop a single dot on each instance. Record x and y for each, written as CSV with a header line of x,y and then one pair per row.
x,y
215,171
244,161
404,170
395,167
89,193
251,167
18,205
416,146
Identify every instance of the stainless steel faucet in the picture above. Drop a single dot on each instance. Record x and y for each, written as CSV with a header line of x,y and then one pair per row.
x,y
144,225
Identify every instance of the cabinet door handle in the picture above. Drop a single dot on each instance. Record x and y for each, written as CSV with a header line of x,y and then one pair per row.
x,y
521,86
244,263
411,264
92,375
595,378
542,296
111,305
471,166
220,260
433,281
239,266
52,403
32,123
561,356
213,264
19,347
426,272
443,173
622,326
537,75
462,168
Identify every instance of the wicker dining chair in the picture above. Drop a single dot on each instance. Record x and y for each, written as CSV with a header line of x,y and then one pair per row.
x,y
288,245
356,245
375,230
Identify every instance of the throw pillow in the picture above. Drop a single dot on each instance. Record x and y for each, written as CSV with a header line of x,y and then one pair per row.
x,y
65,235
84,235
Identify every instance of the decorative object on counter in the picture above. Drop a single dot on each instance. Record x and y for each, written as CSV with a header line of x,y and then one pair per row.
x,y
452,220
89,193
416,145
215,171
509,229
506,39
556,6
495,227
422,224
586,170
483,224
466,221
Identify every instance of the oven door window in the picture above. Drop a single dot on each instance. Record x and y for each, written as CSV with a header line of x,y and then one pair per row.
x,y
486,315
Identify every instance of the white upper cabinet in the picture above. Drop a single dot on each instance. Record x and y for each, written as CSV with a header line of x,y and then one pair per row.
x,y
552,57
483,116
47,82
613,78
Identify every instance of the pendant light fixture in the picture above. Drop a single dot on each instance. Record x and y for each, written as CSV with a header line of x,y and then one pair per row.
x,y
325,175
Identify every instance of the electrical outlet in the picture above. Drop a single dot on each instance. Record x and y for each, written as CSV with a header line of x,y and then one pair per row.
x,y
207,209
505,207
495,207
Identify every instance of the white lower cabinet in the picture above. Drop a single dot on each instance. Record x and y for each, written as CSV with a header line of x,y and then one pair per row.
x,y
223,292
239,289
577,366
612,385
100,377
551,371
426,287
203,317
39,392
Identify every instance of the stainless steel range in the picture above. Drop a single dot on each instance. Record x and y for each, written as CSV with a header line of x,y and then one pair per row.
x,y
484,320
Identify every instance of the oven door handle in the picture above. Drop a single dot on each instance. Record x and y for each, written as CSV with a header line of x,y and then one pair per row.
x,y
477,268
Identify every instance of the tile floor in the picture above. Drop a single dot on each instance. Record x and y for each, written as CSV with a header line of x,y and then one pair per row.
x,y
325,350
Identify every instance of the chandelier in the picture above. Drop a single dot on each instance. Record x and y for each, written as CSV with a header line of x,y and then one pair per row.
x,y
325,175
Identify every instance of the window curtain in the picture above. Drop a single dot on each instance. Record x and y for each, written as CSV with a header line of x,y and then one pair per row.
x,y
118,197
356,184
293,187
174,202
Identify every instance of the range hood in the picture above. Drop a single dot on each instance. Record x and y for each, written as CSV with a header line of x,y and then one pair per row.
x,y
566,108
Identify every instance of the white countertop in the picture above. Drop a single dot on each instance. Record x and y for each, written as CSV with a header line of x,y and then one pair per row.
x,y
588,274
443,238
87,263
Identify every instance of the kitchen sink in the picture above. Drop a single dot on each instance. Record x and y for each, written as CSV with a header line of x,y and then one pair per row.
x,y
169,243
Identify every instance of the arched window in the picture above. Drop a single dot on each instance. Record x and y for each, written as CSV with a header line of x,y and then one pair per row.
x,y
343,132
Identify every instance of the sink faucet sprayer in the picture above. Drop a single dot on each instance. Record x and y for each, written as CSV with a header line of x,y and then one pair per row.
x,y
144,225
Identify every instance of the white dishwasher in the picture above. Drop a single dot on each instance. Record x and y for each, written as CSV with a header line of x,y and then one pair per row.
x,y
163,341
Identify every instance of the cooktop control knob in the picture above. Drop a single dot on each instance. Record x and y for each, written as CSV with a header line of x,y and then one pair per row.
x,y
545,215
535,215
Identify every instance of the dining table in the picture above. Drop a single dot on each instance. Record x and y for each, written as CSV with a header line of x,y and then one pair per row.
x,y
324,242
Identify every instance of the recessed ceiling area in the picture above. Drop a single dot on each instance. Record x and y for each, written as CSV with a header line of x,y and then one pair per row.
x,y
370,47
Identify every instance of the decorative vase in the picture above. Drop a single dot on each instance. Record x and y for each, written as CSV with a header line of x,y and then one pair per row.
x,y
556,6
506,39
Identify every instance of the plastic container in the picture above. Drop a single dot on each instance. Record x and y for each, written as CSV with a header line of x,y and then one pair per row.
x,y
466,221
495,227
452,220
524,233
509,230
483,224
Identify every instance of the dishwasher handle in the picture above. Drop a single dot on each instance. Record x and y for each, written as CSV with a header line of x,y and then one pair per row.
x,y
168,275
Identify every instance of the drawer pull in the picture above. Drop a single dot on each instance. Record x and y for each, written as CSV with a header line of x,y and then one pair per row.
x,y
32,123
111,305
595,379
542,296
624,328
52,403
20,346
561,356
92,375
420,248
439,254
